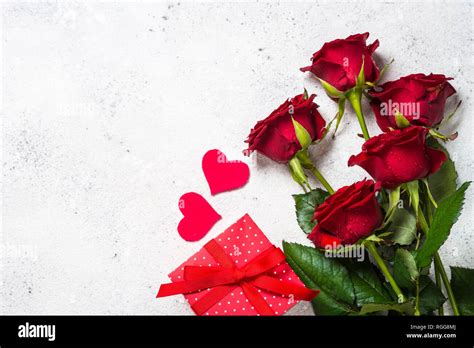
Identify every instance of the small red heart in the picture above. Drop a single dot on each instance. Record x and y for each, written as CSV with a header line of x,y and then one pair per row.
x,y
222,174
198,218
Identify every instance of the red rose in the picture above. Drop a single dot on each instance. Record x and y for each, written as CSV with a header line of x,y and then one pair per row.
x,y
275,136
348,215
419,98
339,62
399,156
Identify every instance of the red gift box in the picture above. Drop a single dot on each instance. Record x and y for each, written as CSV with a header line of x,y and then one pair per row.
x,y
238,273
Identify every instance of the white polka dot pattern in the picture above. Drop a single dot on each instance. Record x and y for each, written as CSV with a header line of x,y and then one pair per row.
x,y
243,247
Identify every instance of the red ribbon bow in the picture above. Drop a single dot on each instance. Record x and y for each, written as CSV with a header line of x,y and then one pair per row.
x,y
223,279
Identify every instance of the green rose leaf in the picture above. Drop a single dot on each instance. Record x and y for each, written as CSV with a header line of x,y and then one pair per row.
x,y
431,297
367,284
462,282
444,218
443,182
405,308
403,226
327,275
325,304
405,270
305,205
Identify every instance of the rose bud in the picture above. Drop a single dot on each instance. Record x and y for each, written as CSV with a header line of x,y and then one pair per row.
x,y
275,136
339,62
399,156
419,98
348,215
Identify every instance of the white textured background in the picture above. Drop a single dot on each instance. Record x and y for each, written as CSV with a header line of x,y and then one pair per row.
x,y
107,109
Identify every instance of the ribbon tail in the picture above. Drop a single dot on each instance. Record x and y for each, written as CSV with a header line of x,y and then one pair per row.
x,y
212,297
194,285
284,288
176,288
254,297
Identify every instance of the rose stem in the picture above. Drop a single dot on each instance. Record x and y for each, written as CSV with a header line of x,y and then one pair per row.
x,y
417,300
438,283
436,268
308,164
354,96
447,285
321,179
383,267
439,265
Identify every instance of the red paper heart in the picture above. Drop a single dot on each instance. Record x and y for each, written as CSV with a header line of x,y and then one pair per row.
x,y
198,218
222,174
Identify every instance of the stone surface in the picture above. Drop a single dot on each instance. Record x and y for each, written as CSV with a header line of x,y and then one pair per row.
x,y
109,107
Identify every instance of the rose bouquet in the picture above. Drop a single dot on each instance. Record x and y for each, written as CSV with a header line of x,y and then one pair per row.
x,y
400,217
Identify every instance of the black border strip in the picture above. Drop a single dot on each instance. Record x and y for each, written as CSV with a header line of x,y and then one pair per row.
x,y
240,330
